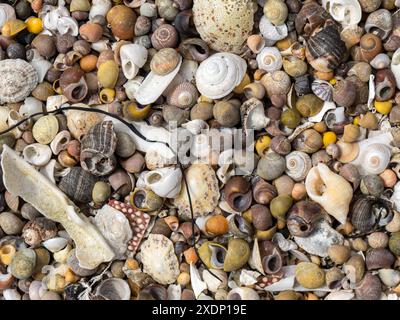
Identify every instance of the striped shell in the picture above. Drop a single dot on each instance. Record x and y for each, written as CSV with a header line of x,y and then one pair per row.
x,y
159,259
325,49
18,79
78,185
322,89
362,216
185,95
224,24
298,164
97,149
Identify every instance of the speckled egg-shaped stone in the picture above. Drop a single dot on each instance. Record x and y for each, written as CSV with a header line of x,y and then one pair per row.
x,y
23,264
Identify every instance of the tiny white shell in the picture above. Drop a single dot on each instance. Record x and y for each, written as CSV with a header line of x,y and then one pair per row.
x,y
37,154
60,142
133,57
131,86
381,61
55,244
165,182
68,25
346,12
99,8
269,59
31,106
271,32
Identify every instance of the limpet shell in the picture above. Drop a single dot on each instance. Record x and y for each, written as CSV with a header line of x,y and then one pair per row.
x,y
18,79
45,129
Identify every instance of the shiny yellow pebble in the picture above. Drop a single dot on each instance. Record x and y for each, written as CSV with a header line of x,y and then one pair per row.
x,y
71,277
183,279
245,81
328,138
356,120
333,81
383,107
34,25
262,144
7,253
132,264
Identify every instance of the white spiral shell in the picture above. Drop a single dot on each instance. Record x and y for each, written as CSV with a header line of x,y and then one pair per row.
x,y
298,164
269,59
346,12
133,57
271,32
219,74
374,158
6,13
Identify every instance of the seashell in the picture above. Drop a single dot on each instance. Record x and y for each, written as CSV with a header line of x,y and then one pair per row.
x,y
242,293
261,217
348,151
309,275
133,57
351,35
395,66
339,254
194,49
374,159
372,185
389,277
212,255
379,258
153,291
114,289
97,149
115,228
271,257
269,59
385,85
73,84
344,93
325,56
78,184
216,280
216,225
55,244
256,43
363,217
394,243
281,145
80,122
334,278
284,185
351,174
45,129
224,26
184,95
219,74
204,191
295,67
60,142
101,192
165,36
369,288
394,225
145,200
159,260
237,255
91,32
279,206
7,13
272,32
10,223
271,166
310,17
381,61
254,90
37,154
308,141
298,164
107,74
263,192
238,226
238,194
38,230
165,182
146,93
276,11
378,240
329,190
142,26
379,23
18,80
175,115
370,47
122,21
276,83
23,264
252,114
302,217
164,61
309,105
346,12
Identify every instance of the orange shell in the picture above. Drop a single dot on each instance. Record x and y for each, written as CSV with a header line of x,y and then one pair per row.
x,y
217,225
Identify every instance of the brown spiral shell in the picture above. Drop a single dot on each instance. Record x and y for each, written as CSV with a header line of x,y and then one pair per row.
x,y
362,212
271,257
310,17
344,93
261,217
73,84
142,26
385,85
238,193
302,217
78,185
165,36
184,23
370,46
184,96
194,49
263,192
369,288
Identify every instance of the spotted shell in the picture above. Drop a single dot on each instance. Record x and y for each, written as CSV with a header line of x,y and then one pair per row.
x,y
18,79
159,259
204,191
224,24
185,95
97,149
298,164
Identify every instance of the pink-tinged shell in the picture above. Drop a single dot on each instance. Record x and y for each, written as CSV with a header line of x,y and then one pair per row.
x,y
185,95
138,220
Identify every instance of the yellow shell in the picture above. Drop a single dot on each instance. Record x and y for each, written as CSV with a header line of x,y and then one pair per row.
x,y
7,253
164,61
351,133
45,129
79,5
276,11
224,25
262,144
309,275
383,107
108,74
237,256
12,27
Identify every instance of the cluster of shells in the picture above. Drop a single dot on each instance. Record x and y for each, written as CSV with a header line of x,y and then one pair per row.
x,y
90,210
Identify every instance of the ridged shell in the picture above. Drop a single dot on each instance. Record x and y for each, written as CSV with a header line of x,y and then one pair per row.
x,y
298,164
325,49
185,95
310,17
204,191
159,259
269,59
218,75
374,159
322,89
224,24
97,149
78,185
271,32
18,79
379,23
362,216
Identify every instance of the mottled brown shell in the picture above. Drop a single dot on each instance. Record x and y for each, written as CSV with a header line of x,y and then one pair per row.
x,y
78,185
97,149
310,17
38,230
18,79
224,24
